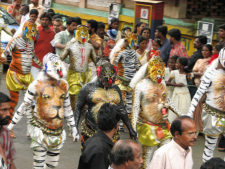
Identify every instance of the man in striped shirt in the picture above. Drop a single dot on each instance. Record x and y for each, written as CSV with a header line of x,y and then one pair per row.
x,y
7,151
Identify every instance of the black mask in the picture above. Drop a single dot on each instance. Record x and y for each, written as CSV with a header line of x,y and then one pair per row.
x,y
4,121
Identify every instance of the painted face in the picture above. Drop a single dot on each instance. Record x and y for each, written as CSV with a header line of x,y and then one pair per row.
x,y
30,30
82,34
132,40
222,57
106,74
156,69
53,66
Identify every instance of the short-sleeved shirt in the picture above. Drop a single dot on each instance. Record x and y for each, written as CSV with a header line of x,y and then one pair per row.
x,y
7,145
43,46
16,14
62,37
178,50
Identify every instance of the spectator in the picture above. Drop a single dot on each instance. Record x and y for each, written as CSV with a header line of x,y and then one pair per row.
x,y
14,10
179,149
24,11
7,150
35,5
198,43
177,47
138,28
141,52
98,147
42,45
114,24
213,163
161,32
94,39
57,23
101,30
33,15
222,34
155,48
126,154
215,52
146,32
63,37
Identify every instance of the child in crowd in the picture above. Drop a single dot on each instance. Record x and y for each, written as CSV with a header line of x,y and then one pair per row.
x,y
215,52
155,48
141,51
114,24
181,96
171,65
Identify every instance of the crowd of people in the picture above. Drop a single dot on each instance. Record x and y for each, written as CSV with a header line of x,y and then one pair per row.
x,y
163,96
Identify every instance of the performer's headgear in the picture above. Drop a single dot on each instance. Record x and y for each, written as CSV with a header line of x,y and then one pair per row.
x,y
222,57
131,38
53,66
30,30
156,69
82,34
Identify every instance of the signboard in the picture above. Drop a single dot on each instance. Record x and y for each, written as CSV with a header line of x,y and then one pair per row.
x,y
114,11
143,14
206,29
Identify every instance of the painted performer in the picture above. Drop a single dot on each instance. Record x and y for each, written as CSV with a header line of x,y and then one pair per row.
x,y
150,105
213,113
21,50
125,58
94,95
80,53
50,92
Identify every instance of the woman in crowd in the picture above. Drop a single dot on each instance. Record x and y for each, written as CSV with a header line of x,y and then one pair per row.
x,y
138,28
141,52
146,32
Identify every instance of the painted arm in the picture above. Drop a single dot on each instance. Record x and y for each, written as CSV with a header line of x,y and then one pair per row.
x,y
69,117
124,116
25,107
65,53
8,51
93,55
136,106
36,60
202,89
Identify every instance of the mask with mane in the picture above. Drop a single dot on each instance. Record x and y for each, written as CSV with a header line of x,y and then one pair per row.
x,y
82,34
30,30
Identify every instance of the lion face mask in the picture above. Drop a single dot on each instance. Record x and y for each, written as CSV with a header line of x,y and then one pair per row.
x,y
82,34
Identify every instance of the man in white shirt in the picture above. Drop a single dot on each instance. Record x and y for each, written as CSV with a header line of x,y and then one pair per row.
x,y
178,153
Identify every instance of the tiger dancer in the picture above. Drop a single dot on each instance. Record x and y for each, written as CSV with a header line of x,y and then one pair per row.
x,y
213,114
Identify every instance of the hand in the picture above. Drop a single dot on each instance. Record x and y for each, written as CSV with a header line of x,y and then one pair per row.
x,y
10,126
2,60
180,85
133,134
75,134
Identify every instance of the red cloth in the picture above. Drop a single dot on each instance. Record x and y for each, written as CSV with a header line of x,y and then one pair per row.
x,y
43,46
213,57
178,50
7,144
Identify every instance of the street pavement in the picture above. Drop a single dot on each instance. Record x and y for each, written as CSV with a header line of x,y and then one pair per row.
x,y
70,152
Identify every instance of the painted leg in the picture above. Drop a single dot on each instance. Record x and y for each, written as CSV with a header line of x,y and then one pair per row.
x,y
147,155
52,159
73,99
210,145
14,97
39,155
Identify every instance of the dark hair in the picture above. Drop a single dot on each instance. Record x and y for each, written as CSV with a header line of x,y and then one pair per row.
x,y
26,8
213,163
175,33
146,29
222,26
56,17
4,98
51,12
162,29
157,40
93,23
218,47
126,28
46,15
138,25
202,39
101,25
108,117
70,20
141,39
174,57
209,47
122,152
112,21
34,11
177,125
184,62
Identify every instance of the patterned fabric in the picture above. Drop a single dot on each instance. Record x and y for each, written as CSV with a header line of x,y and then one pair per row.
x,y
7,145
178,50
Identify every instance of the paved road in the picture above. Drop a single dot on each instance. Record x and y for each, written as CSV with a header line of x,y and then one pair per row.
x,y
71,151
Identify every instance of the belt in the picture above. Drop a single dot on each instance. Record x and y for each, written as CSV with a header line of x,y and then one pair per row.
x,y
213,111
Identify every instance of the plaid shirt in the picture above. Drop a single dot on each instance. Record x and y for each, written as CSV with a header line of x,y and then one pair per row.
x,y
7,145
178,50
